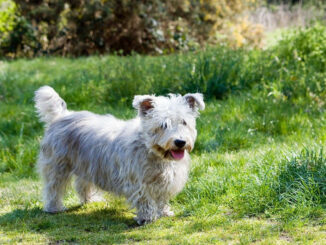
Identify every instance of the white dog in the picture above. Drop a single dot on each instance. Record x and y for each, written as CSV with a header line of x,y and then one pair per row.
x,y
144,159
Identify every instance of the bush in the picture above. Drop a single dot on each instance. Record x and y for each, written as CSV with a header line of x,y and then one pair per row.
x,y
7,16
294,69
17,35
305,46
148,26
7,20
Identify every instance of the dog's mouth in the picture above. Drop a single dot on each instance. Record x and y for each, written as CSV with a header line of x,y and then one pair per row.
x,y
177,154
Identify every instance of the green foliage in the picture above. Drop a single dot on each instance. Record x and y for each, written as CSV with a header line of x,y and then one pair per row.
x,y
17,36
148,26
7,15
7,20
306,47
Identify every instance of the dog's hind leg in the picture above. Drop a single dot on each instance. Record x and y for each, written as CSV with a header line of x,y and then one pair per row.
x,y
87,192
56,176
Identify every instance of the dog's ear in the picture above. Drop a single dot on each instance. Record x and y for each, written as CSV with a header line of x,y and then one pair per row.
x,y
195,101
143,103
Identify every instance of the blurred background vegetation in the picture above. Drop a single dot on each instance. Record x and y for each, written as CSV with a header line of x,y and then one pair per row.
x,y
30,28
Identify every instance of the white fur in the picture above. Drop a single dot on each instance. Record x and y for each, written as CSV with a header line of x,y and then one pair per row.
x,y
49,105
131,158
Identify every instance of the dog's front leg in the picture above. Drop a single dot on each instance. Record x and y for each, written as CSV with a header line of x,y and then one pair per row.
x,y
147,211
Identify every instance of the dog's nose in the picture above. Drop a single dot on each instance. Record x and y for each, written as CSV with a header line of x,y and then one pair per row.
x,y
180,143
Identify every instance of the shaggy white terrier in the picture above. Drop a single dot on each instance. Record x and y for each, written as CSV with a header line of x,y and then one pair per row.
x,y
145,159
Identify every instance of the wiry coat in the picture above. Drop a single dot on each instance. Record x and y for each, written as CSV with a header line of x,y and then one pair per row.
x,y
137,158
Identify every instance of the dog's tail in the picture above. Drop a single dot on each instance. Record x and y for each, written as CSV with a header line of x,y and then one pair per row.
x,y
49,105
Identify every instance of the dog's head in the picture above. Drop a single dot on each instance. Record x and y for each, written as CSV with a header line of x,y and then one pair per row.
x,y
169,123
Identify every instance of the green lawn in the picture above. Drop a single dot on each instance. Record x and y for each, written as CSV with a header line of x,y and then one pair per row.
x,y
258,173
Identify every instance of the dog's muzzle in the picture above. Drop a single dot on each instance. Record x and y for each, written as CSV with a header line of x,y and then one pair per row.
x,y
178,153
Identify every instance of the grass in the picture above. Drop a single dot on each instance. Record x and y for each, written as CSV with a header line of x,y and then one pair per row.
x,y
259,170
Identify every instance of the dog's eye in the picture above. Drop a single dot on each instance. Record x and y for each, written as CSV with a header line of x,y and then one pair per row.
x,y
164,126
184,122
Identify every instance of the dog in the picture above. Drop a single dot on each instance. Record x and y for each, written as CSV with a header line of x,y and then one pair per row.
x,y
145,159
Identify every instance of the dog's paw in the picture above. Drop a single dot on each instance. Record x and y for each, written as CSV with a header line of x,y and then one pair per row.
x,y
97,198
142,221
93,198
167,212
54,210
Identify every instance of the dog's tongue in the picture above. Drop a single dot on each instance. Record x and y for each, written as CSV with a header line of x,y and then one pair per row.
x,y
177,154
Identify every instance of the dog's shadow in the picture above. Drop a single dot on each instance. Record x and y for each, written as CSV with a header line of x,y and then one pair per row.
x,y
68,225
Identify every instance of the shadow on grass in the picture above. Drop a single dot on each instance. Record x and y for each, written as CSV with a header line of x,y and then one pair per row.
x,y
104,225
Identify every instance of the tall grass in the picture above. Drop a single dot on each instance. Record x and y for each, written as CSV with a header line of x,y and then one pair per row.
x,y
294,188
